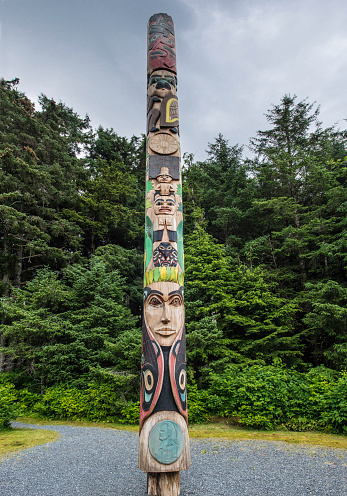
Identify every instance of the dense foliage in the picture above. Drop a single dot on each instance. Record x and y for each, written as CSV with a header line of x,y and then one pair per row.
x,y
265,255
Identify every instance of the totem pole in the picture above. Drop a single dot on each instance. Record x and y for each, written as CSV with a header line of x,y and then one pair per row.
x,y
164,442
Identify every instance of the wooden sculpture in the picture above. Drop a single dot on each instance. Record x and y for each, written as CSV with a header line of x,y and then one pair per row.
x,y
164,442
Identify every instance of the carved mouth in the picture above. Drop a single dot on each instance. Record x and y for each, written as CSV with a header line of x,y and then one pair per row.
x,y
165,209
165,331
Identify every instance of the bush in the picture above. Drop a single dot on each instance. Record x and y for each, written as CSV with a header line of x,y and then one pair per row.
x,y
268,397
97,402
197,405
334,405
130,413
8,405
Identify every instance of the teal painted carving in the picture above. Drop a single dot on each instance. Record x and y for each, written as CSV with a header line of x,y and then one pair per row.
x,y
148,240
166,442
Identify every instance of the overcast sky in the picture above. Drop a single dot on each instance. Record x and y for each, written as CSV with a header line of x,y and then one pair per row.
x,y
234,59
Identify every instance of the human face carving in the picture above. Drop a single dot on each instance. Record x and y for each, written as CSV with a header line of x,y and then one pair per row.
x,y
164,312
161,83
164,178
165,205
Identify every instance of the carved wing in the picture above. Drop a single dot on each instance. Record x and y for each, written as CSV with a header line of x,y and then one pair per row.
x,y
178,373
152,373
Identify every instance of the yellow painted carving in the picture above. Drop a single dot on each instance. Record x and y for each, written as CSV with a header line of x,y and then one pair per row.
x,y
163,273
168,104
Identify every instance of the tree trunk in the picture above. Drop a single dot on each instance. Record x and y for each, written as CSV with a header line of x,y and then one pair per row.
x,y
18,267
2,354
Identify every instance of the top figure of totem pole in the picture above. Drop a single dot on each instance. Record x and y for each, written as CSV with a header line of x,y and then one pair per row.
x,y
164,443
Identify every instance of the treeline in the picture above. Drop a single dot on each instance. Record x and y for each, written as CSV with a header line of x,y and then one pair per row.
x,y
265,256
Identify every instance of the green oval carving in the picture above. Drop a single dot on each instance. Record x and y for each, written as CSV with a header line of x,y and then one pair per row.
x,y
166,441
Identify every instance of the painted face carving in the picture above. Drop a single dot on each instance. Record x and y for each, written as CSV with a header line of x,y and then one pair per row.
x,y
165,255
165,205
164,312
161,83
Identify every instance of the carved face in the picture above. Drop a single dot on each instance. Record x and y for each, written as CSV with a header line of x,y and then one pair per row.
x,y
165,255
164,312
161,83
164,178
165,205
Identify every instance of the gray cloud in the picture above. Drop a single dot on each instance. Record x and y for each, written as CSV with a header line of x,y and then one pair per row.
x,y
234,60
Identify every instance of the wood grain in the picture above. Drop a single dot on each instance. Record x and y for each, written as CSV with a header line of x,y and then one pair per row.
x,y
163,484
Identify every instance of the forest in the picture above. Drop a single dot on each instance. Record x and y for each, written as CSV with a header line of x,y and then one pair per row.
x,y
265,242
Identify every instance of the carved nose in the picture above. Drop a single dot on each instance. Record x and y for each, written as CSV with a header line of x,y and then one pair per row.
x,y
165,320
162,84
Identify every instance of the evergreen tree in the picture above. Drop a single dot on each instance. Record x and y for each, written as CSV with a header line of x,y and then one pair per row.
x,y
39,173
233,313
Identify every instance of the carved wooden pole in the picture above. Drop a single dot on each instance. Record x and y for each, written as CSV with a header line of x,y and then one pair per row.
x,y
164,442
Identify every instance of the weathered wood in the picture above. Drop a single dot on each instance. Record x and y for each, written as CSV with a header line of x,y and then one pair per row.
x,y
163,484
147,462
164,441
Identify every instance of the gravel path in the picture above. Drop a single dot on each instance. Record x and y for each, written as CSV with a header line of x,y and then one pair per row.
x,y
90,461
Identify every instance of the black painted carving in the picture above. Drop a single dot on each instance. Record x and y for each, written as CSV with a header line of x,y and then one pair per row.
x,y
156,162
158,235
166,399
169,111
165,255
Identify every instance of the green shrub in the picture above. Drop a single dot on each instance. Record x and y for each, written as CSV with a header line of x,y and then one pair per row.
x,y
8,405
97,402
257,396
334,405
268,397
130,413
27,400
197,405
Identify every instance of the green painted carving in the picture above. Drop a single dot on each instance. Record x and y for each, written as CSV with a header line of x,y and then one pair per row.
x,y
156,274
180,253
166,442
148,241
180,244
179,189
149,186
180,230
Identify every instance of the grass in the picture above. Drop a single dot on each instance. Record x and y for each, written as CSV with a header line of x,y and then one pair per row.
x,y
234,433
14,440
78,423
220,430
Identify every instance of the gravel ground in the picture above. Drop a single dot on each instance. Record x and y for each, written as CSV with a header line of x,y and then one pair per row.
x,y
90,461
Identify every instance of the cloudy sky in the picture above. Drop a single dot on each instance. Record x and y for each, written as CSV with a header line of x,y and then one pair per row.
x,y
234,58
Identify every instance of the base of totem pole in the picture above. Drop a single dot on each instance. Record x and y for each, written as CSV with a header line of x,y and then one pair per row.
x,y
151,464
163,484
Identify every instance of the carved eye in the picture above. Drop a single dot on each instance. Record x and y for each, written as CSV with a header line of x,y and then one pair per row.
x,y
154,301
182,379
176,302
149,380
